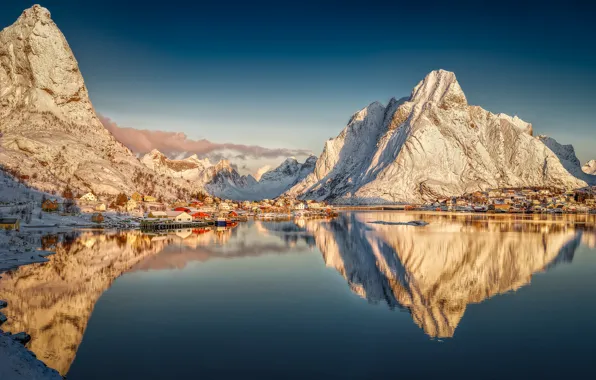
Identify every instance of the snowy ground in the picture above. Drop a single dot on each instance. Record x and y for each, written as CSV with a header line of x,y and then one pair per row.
x,y
18,363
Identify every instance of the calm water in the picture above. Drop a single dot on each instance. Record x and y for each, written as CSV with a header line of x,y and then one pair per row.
x,y
468,296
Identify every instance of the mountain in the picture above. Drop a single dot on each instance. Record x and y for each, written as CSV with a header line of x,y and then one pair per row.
x,y
590,167
48,127
433,144
190,168
224,181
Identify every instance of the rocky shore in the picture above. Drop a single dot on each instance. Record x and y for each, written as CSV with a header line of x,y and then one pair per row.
x,y
16,361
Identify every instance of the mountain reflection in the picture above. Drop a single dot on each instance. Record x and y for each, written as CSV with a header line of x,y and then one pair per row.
x,y
436,271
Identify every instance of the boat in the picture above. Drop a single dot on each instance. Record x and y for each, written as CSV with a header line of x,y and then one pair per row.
x,y
480,209
221,222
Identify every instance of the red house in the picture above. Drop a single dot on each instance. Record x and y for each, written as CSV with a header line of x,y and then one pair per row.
x,y
185,209
200,215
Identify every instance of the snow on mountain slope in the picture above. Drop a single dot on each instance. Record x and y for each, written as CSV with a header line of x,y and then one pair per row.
x,y
566,154
224,181
229,184
432,144
190,168
590,167
50,131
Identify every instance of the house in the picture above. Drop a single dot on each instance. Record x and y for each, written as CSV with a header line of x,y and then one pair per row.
x,y
178,216
200,215
185,209
50,205
138,197
299,206
315,205
131,204
223,206
233,214
10,224
157,214
97,218
149,198
208,200
89,197
100,207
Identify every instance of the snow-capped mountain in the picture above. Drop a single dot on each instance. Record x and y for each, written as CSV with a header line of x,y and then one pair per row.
x,y
590,167
190,168
223,180
433,144
50,132
272,183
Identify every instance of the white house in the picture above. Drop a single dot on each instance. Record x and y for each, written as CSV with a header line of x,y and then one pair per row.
x,y
157,214
314,205
179,216
299,206
100,207
223,206
89,197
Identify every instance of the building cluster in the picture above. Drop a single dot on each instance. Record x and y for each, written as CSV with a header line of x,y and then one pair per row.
x,y
205,208
521,200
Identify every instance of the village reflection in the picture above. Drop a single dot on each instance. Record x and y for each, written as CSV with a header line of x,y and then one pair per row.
x,y
434,272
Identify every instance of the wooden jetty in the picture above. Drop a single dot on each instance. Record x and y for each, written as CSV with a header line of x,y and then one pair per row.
x,y
164,224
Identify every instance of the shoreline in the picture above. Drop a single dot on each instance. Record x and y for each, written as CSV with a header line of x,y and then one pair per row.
x,y
17,362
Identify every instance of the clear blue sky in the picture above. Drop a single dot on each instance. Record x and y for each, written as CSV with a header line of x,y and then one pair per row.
x,y
290,74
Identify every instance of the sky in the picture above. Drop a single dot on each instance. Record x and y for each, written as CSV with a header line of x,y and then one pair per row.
x,y
288,75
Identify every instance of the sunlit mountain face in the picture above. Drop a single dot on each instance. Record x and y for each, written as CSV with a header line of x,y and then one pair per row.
x,y
433,272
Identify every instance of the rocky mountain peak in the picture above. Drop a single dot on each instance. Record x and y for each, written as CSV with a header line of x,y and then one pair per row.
x,y
157,154
441,88
41,73
35,13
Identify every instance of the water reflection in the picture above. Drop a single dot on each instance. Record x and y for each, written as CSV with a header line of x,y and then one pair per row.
x,y
433,272
436,271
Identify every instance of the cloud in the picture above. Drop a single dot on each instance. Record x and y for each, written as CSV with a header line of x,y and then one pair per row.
x,y
174,143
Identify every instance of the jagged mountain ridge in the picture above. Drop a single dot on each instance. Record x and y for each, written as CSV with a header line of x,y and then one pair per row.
x,y
433,144
224,181
50,132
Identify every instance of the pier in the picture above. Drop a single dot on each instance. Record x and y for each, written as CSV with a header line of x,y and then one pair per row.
x,y
163,224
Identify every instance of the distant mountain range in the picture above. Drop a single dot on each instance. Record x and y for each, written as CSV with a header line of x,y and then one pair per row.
x,y
428,145
223,180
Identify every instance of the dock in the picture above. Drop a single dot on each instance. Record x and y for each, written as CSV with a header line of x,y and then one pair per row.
x,y
164,224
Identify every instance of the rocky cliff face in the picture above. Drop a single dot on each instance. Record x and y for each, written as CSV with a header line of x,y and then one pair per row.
x,y
590,167
433,144
50,131
435,272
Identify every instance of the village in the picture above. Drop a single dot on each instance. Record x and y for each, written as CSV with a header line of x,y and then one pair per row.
x,y
519,200
149,212
146,211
